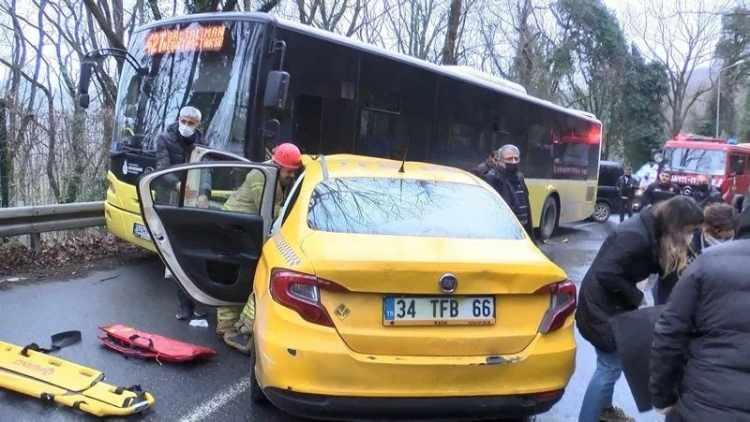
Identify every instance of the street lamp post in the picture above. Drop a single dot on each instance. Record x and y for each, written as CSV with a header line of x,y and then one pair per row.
x,y
718,92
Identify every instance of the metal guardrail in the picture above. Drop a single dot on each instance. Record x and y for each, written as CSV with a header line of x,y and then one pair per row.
x,y
49,218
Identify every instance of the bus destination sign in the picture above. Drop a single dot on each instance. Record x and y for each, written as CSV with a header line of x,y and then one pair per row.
x,y
194,38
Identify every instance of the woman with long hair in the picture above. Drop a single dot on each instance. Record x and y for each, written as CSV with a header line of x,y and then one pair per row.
x,y
654,242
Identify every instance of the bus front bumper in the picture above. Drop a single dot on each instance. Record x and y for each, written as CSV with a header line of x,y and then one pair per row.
x,y
123,223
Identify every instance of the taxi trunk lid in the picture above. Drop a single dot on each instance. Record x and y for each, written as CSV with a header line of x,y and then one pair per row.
x,y
372,268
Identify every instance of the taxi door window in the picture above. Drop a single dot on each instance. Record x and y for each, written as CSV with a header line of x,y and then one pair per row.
x,y
219,188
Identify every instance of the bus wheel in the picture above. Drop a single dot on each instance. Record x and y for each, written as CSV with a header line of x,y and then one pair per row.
x,y
550,218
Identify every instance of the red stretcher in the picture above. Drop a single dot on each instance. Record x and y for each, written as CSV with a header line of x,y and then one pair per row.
x,y
135,343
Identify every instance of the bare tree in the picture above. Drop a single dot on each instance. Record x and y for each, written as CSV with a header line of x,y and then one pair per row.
x,y
112,28
519,40
415,26
451,34
343,16
155,11
680,35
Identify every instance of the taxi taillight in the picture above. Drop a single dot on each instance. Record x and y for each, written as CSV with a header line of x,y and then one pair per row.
x,y
562,305
301,293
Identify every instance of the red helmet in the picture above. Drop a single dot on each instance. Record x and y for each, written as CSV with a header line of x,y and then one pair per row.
x,y
287,156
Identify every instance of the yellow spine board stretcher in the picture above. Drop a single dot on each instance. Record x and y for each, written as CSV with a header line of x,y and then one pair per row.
x,y
57,380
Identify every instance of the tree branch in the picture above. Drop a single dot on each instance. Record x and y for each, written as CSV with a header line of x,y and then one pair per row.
x,y
114,40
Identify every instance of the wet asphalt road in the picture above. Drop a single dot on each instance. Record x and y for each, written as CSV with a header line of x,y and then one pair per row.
x,y
137,295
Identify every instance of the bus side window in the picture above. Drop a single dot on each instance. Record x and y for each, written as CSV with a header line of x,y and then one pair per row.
x,y
308,113
380,108
321,114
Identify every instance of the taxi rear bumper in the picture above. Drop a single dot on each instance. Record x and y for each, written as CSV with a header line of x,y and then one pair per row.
x,y
455,408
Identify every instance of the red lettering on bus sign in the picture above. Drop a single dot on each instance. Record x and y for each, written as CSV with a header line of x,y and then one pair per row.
x,y
195,38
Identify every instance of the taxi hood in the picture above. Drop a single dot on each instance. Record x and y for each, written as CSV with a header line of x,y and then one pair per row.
x,y
413,265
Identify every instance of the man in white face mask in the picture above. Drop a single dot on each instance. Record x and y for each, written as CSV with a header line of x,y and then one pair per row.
x,y
174,146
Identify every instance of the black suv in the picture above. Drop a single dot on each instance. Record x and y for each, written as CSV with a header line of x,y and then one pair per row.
x,y
607,196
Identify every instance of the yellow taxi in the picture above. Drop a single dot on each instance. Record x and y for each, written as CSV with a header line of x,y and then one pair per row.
x,y
382,288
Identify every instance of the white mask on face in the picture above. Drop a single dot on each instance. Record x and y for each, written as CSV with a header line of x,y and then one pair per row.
x,y
186,130
712,241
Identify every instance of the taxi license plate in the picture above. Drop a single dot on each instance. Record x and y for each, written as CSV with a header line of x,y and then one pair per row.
x,y
140,231
439,310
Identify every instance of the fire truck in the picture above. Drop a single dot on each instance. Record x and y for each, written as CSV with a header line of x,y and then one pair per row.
x,y
725,162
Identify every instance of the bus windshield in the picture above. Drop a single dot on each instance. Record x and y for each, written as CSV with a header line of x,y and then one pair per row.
x,y
207,65
707,161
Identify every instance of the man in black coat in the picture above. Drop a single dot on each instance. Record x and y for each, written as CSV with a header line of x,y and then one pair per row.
x,y
485,166
176,143
700,357
508,181
174,146
704,193
626,186
661,190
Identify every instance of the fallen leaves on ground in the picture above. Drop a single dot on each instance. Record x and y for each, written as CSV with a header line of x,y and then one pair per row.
x,y
73,250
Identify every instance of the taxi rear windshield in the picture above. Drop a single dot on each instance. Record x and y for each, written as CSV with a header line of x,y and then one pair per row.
x,y
408,207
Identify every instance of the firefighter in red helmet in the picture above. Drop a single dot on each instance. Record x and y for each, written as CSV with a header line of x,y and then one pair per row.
x,y
233,324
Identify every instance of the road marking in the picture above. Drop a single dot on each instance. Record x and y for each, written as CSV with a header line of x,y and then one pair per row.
x,y
213,404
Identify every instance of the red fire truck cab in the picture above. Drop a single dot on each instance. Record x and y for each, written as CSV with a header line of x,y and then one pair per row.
x,y
726,163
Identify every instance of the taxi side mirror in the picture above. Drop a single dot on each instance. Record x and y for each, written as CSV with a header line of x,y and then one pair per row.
x,y
277,89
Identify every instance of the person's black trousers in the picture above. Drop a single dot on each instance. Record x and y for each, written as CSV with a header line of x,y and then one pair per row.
x,y
626,208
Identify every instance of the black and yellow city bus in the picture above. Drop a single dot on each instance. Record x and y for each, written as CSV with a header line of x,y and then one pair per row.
x,y
259,80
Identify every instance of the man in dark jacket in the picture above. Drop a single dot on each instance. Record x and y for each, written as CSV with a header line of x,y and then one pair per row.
x,y
660,190
704,192
626,186
173,147
700,357
485,166
508,181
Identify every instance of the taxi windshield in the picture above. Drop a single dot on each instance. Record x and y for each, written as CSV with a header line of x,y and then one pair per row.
x,y
207,65
409,207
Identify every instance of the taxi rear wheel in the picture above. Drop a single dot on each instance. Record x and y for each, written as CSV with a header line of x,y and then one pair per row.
x,y
256,393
